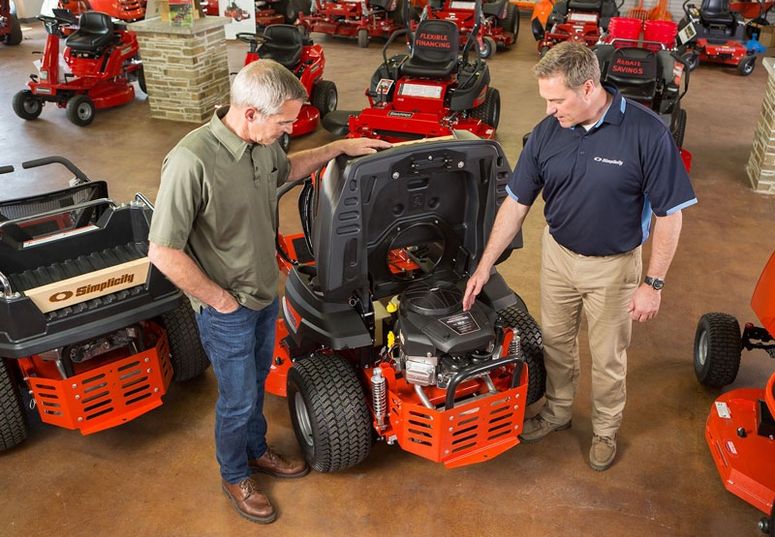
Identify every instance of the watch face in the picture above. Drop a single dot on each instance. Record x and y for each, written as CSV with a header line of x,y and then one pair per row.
x,y
656,283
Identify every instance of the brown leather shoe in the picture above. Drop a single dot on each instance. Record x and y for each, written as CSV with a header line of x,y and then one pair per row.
x,y
250,502
276,465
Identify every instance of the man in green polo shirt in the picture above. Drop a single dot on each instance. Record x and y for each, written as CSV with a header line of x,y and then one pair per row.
x,y
213,233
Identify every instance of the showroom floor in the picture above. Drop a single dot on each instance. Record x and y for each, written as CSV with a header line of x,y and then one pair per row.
x,y
157,474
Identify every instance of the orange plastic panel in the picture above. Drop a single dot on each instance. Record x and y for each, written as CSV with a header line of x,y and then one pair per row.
x,y
763,300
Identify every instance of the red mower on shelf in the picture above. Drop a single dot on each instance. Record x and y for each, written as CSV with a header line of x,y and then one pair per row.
x,y
10,28
233,11
103,60
715,34
361,19
125,10
740,429
284,44
575,20
431,92
91,334
372,341
499,25
640,59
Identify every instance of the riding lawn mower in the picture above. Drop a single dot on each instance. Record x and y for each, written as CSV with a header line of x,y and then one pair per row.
x,y
91,334
740,429
574,20
10,28
373,341
361,19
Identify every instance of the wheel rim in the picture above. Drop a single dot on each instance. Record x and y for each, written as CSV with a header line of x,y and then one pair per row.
x,y
332,101
31,106
302,418
83,111
702,349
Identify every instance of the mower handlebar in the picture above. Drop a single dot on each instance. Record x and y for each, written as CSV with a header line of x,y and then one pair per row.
x,y
6,169
253,39
57,160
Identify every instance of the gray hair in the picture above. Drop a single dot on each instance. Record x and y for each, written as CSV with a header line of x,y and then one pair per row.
x,y
265,85
575,62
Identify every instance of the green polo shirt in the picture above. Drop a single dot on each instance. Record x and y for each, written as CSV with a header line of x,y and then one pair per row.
x,y
217,202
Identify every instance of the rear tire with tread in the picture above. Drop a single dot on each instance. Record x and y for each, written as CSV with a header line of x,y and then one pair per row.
x,y
717,349
13,426
532,344
363,38
324,97
15,36
490,110
188,357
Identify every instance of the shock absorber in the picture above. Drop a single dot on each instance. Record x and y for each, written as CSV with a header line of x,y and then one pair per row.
x,y
379,396
514,346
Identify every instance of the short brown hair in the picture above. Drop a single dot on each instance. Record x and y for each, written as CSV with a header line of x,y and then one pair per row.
x,y
575,62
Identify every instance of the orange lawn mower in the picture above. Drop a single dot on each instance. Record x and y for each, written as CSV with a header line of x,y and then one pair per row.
x,y
740,429
574,20
372,342
284,44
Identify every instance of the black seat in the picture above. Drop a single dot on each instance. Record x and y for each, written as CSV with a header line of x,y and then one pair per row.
x,y
285,46
494,8
434,51
95,32
633,71
716,12
585,5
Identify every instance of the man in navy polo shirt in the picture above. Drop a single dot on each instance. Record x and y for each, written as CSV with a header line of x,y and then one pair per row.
x,y
604,164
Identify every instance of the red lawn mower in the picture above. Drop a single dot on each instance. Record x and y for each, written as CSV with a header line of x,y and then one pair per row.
x,y
103,60
233,11
640,59
125,10
361,19
10,29
499,26
434,91
575,20
715,34
284,44
372,341
740,429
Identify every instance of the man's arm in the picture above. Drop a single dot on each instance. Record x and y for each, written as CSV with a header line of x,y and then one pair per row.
x,y
508,222
306,162
646,300
181,270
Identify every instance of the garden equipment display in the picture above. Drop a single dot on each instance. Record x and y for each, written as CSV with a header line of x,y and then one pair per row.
x,y
360,19
433,91
373,341
102,58
740,429
715,34
284,44
88,327
575,20
641,60
10,28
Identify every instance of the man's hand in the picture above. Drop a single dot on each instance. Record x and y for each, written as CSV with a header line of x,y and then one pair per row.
x,y
226,303
474,287
644,304
356,147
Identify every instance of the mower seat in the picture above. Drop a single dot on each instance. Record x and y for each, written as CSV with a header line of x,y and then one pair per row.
x,y
285,46
494,8
594,6
632,70
716,12
95,32
434,50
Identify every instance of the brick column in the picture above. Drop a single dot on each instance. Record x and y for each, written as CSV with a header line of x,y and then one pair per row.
x,y
186,70
761,163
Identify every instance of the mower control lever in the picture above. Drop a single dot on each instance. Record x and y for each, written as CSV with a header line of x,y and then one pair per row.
x,y
6,169
59,160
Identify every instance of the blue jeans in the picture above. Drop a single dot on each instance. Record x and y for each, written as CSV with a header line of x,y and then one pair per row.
x,y
240,346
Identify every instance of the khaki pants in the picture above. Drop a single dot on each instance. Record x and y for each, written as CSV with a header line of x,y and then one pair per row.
x,y
602,287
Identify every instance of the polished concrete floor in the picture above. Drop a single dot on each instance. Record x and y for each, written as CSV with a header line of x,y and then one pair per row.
x,y
157,474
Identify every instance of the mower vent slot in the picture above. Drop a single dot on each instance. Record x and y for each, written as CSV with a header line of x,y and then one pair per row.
x,y
498,427
50,403
464,431
46,387
499,418
136,399
48,395
100,413
92,379
420,424
457,449
95,387
127,366
97,405
95,397
463,439
502,433
138,389
133,382
417,414
52,412
426,434
466,421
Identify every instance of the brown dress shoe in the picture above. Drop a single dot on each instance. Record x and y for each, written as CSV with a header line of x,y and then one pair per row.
x,y
276,465
249,501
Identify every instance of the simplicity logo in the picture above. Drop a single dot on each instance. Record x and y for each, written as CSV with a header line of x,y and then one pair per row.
x,y
604,160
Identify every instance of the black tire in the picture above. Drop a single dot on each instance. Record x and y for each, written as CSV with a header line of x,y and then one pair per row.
x,y
13,426
15,36
141,80
532,344
363,38
26,105
81,110
692,60
510,22
329,412
285,141
490,110
324,97
746,65
717,349
680,128
489,46
188,357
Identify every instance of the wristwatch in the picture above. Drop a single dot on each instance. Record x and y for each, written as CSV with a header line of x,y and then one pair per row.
x,y
655,283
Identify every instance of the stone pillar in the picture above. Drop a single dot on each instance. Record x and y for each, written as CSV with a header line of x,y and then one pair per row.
x,y
186,69
761,163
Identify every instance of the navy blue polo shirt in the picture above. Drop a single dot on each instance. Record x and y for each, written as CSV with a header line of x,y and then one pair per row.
x,y
601,186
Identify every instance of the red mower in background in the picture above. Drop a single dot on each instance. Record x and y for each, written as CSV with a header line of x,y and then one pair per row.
x,y
361,19
10,29
102,58
125,10
433,91
284,44
641,60
740,429
574,20
499,25
268,12
715,34
233,11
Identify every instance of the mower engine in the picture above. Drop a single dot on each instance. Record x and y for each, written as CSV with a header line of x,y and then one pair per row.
x,y
437,340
